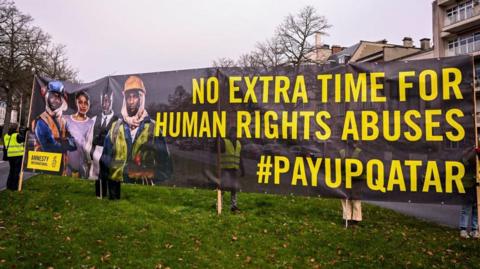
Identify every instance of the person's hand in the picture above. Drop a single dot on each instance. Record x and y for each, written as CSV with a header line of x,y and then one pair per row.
x,y
23,130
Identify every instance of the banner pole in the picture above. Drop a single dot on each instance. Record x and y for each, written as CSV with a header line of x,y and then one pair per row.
x,y
20,179
477,166
219,172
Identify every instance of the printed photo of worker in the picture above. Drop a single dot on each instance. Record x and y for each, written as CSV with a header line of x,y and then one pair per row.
x,y
132,153
51,134
102,122
78,125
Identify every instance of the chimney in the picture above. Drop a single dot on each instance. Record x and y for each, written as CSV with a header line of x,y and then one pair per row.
x,y
336,49
407,42
425,43
318,40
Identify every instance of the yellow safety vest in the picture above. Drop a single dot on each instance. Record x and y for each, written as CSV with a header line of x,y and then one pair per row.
x,y
355,154
120,148
14,149
230,159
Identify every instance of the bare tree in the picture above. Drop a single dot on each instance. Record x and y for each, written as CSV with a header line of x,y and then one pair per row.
x,y
270,53
296,30
223,62
25,50
57,65
289,46
13,28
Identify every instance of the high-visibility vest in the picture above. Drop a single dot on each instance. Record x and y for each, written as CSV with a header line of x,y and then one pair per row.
x,y
59,132
121,156
230,159
56,133
14,149
355,154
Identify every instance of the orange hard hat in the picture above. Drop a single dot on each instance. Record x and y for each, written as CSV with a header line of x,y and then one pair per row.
x,y
134,83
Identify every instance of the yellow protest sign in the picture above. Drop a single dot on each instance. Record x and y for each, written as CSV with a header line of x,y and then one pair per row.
x,y
47,161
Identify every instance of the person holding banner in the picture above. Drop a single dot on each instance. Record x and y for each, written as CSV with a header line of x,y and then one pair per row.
x,y
95,138
132,153
352,206
231,164
51,134
78,125
468,212
14,143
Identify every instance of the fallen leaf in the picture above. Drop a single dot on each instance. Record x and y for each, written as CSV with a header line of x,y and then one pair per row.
x,y
106,257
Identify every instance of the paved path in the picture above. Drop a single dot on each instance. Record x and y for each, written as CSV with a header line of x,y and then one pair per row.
x,y
447,215
4,173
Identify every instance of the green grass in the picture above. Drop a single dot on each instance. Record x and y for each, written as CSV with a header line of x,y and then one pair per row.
x,y
58,222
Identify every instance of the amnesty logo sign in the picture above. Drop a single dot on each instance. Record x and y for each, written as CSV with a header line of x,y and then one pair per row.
x,y
44,161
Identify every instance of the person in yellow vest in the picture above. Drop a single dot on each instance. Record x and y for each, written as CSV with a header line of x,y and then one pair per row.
x,y
352,206
231,164
131,152
14,143
49,127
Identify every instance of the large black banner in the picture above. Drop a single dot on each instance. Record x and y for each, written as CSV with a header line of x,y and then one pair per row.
x,y
398,131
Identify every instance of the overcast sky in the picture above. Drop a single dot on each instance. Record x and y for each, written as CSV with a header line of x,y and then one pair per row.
x,y
105,37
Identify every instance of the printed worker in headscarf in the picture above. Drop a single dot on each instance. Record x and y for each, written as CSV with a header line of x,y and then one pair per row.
x,y
50,132
132,153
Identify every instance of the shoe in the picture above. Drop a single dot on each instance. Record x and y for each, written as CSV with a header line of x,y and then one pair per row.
x,y
464,234
235,209
475,234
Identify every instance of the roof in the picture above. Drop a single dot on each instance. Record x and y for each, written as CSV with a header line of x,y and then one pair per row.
x,y
352,50
346,52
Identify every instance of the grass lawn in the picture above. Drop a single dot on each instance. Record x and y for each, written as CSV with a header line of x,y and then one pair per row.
x,y
57,222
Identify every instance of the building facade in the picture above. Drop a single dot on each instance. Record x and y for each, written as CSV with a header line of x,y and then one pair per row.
x,y
456,27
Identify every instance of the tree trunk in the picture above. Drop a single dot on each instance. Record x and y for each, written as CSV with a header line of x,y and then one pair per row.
x,y
26,111
8,112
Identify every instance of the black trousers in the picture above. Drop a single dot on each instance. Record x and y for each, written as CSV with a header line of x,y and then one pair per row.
x,y
113,189
14,172
101,188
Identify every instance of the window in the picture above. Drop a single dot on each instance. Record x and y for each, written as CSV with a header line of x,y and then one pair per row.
x,y
452,145
464,44
459,12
